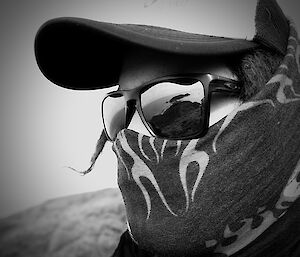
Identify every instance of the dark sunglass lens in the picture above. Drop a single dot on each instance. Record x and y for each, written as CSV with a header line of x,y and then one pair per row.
x,y
113,111
173,110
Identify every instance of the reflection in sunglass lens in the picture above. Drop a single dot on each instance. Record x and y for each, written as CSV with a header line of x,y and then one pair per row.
x,y
173,110
113,111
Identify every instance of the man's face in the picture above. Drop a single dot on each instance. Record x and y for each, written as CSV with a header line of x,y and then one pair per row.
x,y
159,178
194,194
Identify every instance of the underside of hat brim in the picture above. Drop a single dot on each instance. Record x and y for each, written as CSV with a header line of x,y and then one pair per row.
x,y
83,54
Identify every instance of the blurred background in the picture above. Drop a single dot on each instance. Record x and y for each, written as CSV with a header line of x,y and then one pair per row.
x,y
45,127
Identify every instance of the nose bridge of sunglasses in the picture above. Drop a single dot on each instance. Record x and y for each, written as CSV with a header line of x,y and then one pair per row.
x,y
138,125
133,118
130,109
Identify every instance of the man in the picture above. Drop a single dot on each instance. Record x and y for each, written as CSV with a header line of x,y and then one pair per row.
x,y
218,174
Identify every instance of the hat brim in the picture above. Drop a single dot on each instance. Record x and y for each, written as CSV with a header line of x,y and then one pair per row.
x,y
83,54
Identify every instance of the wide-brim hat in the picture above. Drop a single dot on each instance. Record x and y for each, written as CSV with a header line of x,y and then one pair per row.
x,y
83,54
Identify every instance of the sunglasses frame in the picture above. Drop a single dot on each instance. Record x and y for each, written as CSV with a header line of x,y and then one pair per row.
x,y
211,83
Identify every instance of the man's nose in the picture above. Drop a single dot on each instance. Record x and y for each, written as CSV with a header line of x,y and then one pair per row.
x,y
137,125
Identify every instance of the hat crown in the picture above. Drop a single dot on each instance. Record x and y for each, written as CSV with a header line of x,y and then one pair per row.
x,y
272,27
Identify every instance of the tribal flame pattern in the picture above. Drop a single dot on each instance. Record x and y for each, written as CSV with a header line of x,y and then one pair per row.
x,y
140,169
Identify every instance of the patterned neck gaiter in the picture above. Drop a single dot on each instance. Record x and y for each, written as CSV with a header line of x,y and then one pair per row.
x,y
217,194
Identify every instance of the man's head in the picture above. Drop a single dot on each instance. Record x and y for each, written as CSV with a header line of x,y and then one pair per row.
x,y
189,189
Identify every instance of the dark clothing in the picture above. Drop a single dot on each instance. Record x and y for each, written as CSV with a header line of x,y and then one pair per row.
x,y
127,247
282,239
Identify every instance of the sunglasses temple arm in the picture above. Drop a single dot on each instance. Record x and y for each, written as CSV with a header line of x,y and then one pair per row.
x,y
99,148
226,86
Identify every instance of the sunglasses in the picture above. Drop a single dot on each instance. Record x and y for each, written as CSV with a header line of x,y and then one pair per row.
x,y
173,107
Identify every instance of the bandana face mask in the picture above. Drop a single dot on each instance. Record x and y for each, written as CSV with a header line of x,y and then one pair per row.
x,y
218,193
